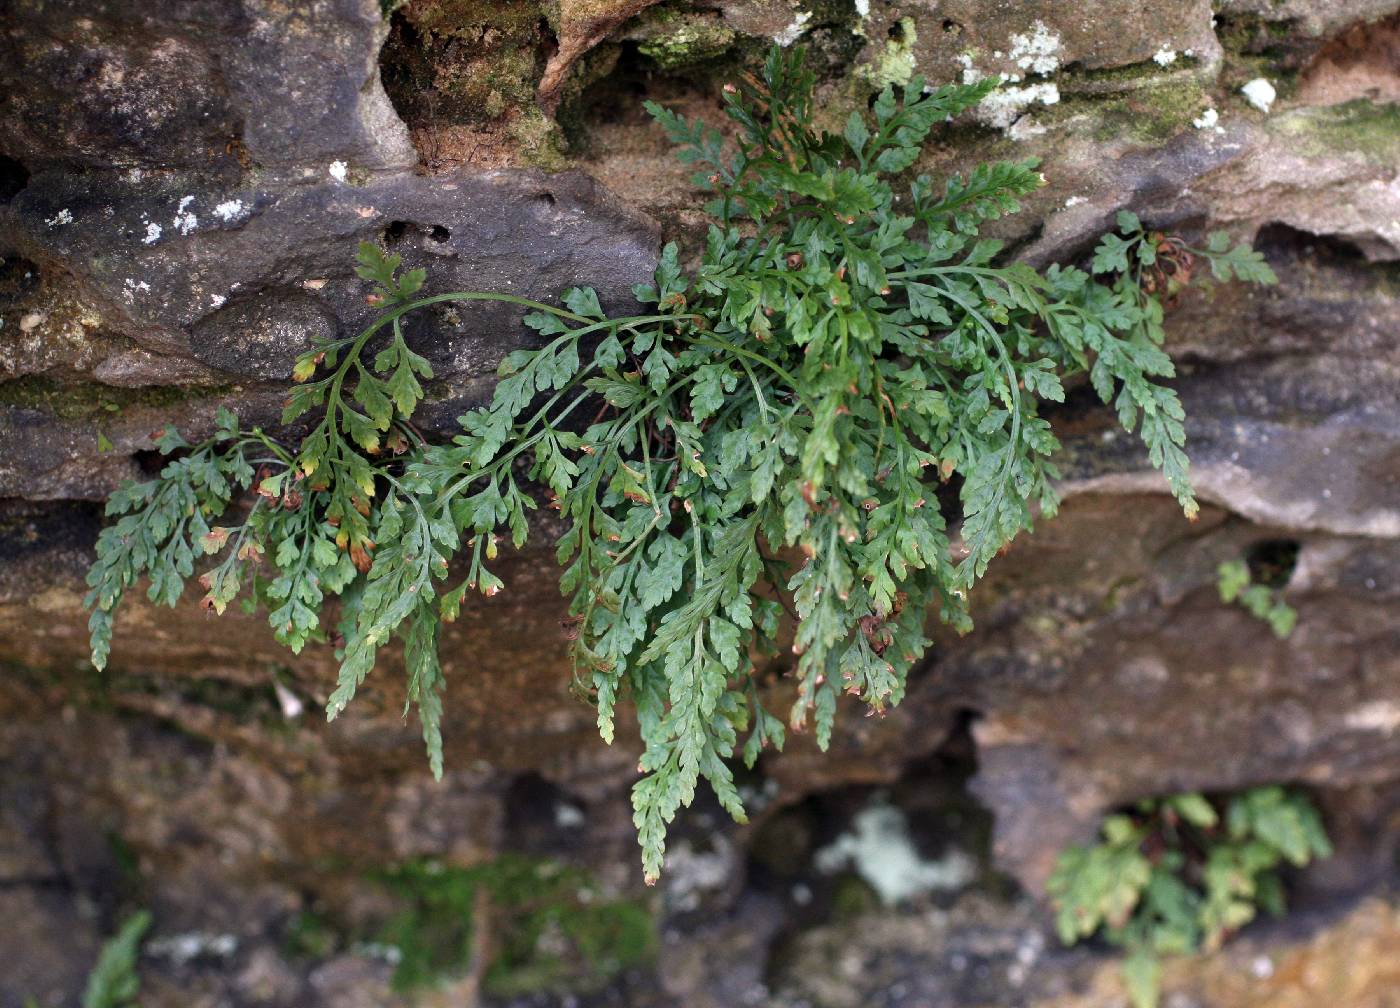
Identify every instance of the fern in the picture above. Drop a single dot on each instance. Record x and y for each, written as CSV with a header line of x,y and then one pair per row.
x,y
113,982
774,431
1177,875
1236,584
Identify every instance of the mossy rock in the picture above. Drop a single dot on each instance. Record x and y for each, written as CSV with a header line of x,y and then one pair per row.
x,y
549,928
82,400
1361,126
675,39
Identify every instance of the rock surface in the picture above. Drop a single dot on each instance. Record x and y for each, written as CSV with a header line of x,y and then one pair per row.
x,y
182,187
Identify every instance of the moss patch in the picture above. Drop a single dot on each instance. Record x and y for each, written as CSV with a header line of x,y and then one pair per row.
x,y
1363,126
896,61
539,926
674,39
82,400
464,62
1150,115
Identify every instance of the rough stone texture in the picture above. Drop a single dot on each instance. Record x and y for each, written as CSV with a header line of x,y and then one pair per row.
x,y
992,956
108,84
182,187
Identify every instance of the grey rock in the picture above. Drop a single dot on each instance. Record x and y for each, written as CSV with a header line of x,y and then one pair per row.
x,y
259,337
228,257
102,84
143,369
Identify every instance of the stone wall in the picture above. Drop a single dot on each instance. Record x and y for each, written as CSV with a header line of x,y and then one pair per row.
x,y
182,186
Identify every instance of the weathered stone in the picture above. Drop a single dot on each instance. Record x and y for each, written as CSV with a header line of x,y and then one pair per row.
x,y
181,193
206,84
980,954
275,265
967,39
1316,17
1361,62
259,337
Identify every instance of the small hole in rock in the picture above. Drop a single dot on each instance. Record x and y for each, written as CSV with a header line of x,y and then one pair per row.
x,y
438,233
393,234
897,31
1272,561
549,41
547,198
13,178
951,27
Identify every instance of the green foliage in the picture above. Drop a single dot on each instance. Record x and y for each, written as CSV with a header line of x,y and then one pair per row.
x,y
538,925
779,432
113,982
1181,874
1263,602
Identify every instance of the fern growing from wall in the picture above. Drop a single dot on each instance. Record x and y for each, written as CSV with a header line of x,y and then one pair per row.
x,y
767,438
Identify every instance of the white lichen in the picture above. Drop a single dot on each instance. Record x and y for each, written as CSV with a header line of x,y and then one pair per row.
x,y
291,704
132,287
152,234
1036,52
794,31
690,873
337,170
970,74
1260,93
882,853
1208,120
230,210
384,952
1376,716
216,300
185,222
567,816
60,218
1003,107
863,8
1164,56
1074,201
184,948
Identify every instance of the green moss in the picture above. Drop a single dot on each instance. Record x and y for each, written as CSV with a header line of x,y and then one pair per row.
x,y
1150,115
469,20
539,140
548,926
311,935
852,898
450,62
1362,126
1133,74
83,400
895,63
674,39
1251,34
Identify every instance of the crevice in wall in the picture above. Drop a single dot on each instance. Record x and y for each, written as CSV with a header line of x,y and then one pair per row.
x,y
14,176
922,842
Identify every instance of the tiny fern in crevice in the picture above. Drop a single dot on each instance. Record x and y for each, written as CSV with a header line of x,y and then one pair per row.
x,y
769,432
1180,874
113,982
1236,584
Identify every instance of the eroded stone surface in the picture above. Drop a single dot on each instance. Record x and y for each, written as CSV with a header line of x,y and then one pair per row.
x,y
184,191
